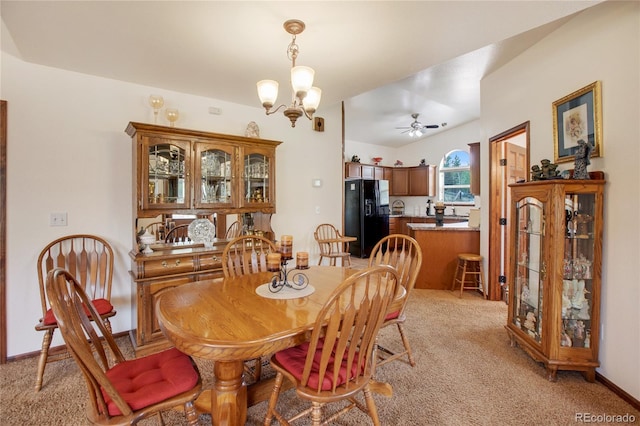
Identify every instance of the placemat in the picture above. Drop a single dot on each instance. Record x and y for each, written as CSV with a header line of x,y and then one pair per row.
x,y
285,293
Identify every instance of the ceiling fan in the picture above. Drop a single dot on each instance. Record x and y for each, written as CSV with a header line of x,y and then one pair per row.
x,y
417,128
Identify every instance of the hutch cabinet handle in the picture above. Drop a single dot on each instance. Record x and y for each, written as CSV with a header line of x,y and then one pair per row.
x,y
166,265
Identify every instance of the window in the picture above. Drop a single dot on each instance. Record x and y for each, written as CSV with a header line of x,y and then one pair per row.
x,y
455,178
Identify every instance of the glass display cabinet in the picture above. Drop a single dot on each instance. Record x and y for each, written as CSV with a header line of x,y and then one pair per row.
x,y
185,174
555,268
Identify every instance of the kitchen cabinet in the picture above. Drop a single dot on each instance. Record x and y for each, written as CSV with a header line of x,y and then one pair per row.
x,y
474,167
422,181
378,173
554,284
194,172
387,174
368,171
352,170
399,181
413,181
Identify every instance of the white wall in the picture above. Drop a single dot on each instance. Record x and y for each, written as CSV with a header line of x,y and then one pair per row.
x,y
67,152
602,43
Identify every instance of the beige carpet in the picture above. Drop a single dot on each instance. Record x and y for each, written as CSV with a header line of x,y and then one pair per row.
x,y
466,374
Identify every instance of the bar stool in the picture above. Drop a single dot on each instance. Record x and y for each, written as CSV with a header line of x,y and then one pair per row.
x,y
469,264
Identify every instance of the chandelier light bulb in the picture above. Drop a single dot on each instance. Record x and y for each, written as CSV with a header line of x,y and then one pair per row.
x,y
267,92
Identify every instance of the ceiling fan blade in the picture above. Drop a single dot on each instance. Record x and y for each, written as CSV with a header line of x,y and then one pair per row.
x,y
405,131
400,128
431,126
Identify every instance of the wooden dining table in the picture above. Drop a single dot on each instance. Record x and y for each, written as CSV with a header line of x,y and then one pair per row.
x,y
228,322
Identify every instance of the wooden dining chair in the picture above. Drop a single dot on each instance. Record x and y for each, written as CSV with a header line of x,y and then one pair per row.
x,y
89,259
178,234
247,254
404,254
125,391
331,245
233,231
337,363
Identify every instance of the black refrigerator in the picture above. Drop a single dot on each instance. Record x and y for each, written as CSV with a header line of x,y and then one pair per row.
x,y
366,215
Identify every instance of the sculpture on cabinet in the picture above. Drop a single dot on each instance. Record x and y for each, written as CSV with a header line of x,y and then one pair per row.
x,y
582,160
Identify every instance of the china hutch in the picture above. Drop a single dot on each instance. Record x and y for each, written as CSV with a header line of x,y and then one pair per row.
x,y
180,175
555,273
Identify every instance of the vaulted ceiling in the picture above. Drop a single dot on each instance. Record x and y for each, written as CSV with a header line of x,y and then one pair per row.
x,y
384,59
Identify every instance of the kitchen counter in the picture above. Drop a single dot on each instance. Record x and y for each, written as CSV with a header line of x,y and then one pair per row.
x,y
440,247
422,217
456,226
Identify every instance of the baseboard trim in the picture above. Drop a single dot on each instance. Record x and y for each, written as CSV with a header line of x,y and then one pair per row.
x,y
53,350
620,392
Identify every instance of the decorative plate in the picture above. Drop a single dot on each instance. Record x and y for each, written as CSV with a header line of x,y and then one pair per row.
x,y
201,231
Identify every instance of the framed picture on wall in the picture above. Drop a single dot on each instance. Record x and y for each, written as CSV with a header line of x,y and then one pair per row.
x,y
576,117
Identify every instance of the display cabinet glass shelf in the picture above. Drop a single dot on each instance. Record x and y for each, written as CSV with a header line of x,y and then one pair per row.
x,y
554,282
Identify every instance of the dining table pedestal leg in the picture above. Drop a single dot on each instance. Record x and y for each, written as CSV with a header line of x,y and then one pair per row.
x,y
229,396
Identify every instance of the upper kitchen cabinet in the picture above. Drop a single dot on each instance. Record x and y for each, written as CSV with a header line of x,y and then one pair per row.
x,y
422,180
352,170
193,172
400,181
474,167
413,181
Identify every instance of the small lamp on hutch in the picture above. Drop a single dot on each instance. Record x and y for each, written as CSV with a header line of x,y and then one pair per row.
x,y
305,99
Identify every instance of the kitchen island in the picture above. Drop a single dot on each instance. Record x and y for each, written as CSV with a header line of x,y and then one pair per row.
x,y
440,248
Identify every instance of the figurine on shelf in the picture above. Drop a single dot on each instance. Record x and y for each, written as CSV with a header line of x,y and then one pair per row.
x,y
530,321
565,340
355,159
567,287
582,160
579,292
547,171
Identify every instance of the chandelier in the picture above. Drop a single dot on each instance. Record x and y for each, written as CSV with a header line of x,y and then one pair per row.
x,y
305,98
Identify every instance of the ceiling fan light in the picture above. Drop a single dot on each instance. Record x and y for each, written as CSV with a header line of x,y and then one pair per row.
x,y
267,92
301,80
418,133
312,100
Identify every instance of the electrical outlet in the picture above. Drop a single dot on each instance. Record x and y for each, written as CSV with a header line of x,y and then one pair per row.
x,y
58,219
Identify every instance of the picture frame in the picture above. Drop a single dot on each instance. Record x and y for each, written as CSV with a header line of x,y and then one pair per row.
x,y
578,116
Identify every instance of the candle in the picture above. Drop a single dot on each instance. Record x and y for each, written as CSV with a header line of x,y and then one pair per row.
x,y
302,260
286,246
273,262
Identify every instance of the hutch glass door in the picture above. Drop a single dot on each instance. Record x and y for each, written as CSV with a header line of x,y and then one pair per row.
x,y
577,282
257,169
166,176
530,267
215,170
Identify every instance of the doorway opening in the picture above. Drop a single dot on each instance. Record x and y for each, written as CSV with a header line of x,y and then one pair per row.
x,y
508,163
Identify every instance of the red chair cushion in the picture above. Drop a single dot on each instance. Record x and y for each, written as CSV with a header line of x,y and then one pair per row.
x,y
293,360
151,379
392,315
102,306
